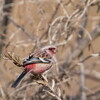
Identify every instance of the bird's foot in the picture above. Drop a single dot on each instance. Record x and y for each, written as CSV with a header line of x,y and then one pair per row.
x,y
43,80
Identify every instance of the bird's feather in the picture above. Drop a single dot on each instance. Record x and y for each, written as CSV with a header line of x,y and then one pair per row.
x,y
35,60
19,79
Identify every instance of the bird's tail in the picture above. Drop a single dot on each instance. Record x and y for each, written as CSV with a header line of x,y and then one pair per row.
x,y
19,79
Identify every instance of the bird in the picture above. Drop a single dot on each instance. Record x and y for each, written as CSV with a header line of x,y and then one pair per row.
x,y
37,63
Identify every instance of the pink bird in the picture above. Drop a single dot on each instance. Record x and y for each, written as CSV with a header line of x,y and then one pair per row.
x,y
38,62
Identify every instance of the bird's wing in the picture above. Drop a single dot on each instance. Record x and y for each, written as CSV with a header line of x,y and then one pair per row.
x,y
35,60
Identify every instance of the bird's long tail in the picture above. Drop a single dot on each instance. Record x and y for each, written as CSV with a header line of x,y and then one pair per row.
x,y
19,79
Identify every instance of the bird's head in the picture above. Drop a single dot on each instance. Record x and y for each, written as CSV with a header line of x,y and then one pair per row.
x,y
50,50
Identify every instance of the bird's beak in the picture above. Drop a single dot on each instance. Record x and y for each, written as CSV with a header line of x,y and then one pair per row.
x,y
55,51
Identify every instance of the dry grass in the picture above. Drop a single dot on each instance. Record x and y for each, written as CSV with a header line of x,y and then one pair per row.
x,y
71,25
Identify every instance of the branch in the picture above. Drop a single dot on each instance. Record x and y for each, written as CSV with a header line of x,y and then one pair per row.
x,y
81,45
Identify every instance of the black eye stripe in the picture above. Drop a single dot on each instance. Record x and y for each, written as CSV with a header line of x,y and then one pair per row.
x,y
51,48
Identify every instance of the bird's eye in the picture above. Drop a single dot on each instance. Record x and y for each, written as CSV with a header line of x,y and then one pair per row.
x,y
51,48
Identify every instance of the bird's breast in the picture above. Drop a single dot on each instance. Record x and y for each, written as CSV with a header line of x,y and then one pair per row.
x,y
38,68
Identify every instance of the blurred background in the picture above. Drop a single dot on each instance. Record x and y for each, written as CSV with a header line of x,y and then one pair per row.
x,y
71,25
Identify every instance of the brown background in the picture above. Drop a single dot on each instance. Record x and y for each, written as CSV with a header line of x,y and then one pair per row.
x,y
36,16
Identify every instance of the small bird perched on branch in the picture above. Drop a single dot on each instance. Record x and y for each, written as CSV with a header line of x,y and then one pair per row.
x,y
37,63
